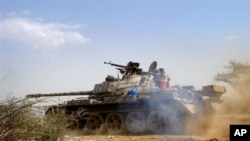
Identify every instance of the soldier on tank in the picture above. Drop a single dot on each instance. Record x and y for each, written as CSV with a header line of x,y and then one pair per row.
x,y
161,78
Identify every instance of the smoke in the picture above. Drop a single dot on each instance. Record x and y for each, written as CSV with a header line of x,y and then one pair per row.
x,y
168,116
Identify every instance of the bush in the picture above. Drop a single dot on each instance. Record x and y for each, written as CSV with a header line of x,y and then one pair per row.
x,y
21,120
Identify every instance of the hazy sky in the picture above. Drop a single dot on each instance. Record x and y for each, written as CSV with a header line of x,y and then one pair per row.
x,y
59,46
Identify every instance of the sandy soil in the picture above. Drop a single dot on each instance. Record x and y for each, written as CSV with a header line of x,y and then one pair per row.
x,y
141,138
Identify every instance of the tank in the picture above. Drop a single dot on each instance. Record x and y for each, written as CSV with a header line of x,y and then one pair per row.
x,y
138,102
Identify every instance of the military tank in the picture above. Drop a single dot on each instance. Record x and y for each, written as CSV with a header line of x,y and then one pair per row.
x,y
138,102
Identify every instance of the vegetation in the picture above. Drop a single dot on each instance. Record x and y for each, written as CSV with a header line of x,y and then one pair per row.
x,y
237,74
21,120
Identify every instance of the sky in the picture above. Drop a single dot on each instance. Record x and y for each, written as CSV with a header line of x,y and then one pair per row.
x,y
60,46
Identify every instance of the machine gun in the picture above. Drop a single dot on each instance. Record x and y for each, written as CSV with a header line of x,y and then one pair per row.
x,y
131,67
116,65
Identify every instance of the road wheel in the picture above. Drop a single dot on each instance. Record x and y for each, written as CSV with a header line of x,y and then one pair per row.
x,y
157,122
72,123
135,122
94,123
114,123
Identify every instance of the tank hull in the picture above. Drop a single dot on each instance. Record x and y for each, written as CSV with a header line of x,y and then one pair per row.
x,y
157,112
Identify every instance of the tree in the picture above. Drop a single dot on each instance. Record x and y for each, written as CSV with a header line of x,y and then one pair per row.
x,y
238,74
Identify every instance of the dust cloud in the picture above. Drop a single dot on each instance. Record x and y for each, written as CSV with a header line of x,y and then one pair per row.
x,y
234,109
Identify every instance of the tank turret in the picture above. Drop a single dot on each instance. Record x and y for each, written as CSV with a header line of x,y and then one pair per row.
x,y
139,102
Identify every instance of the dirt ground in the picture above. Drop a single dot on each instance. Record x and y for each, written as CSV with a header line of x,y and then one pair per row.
x,y
141,138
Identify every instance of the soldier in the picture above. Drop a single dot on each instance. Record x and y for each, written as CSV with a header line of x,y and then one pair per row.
x,y
161,78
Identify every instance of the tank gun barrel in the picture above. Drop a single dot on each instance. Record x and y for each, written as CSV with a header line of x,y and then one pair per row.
x,y
81,93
